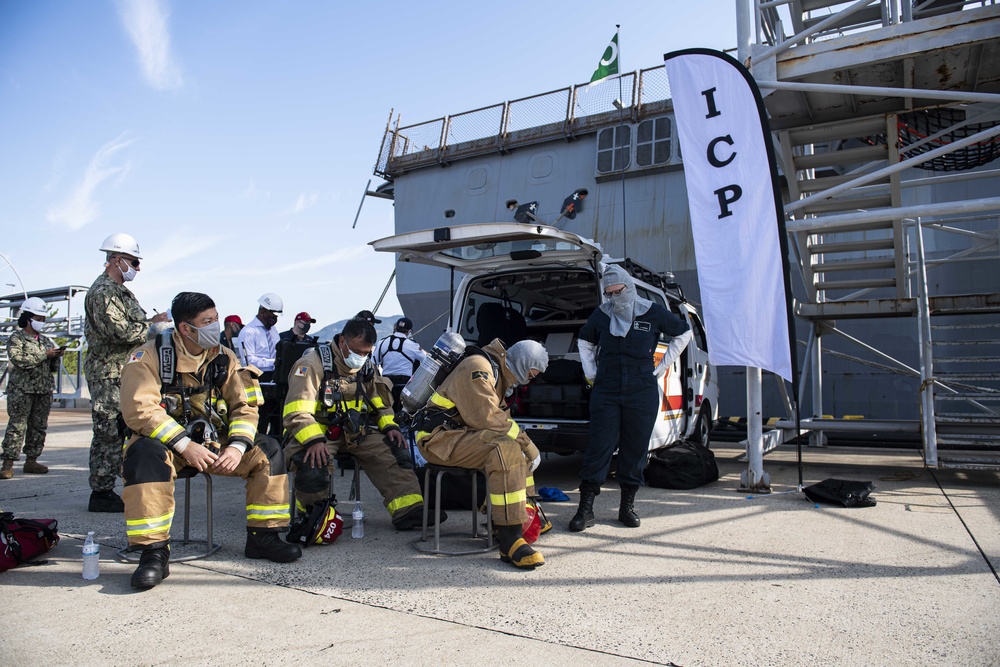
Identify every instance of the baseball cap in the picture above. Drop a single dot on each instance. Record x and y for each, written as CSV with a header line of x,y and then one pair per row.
x,y
404,324
368,315
233,318
305,316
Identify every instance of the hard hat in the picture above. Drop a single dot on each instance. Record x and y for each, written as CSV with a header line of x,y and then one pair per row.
x,y
122,243
35,306
272,302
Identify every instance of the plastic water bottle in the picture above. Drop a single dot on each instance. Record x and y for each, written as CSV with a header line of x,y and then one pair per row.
x,y
358,528
91,557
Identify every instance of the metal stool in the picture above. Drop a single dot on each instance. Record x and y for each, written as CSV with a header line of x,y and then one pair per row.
x,y
342,458
441,471
187,473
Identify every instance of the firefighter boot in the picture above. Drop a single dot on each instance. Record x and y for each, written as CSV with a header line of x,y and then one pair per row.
x,y
33,467
584,517
626,512
262,543
154,566
7,471
514,550
413,517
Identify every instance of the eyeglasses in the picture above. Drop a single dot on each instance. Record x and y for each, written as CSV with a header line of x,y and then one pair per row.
x,y
615,292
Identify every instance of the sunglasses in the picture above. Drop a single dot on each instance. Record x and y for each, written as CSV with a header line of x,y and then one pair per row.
x,y
133,262
615,292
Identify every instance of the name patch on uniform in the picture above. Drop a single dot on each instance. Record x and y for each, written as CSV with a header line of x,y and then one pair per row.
x,y
301,371
481,375
136,356
641,326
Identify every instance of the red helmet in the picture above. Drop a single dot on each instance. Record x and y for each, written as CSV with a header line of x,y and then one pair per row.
x,y
329,527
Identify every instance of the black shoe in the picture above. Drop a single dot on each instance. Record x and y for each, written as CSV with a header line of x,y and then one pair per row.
x,y
262,543
414,518
106,501
584,517
154,567
626,512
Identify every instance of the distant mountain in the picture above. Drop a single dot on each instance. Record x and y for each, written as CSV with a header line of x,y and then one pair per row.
x,y
329,331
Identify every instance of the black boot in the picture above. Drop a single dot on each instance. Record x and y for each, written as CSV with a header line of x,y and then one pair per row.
x,y
514,550
626,512
264,543
154,566
414,518
584,517
105,501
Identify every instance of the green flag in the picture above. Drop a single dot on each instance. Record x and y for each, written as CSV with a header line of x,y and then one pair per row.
x,y
609,62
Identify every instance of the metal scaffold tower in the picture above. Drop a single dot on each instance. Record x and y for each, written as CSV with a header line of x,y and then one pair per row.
x,y
885,115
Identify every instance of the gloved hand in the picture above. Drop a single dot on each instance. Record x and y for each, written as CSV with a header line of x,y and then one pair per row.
x,y
535,463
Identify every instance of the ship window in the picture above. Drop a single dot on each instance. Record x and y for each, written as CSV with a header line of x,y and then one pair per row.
x,y
652,142
614,147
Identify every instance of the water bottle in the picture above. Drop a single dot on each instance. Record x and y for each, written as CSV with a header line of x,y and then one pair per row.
x,y
91,557
446,351
358,529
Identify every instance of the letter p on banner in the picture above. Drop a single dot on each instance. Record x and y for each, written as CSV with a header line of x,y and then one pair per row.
x,y
737,218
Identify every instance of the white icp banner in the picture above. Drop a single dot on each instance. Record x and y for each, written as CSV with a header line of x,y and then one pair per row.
x,y
736,215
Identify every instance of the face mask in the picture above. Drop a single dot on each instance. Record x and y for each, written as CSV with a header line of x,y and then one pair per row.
x,y
37,326
355,360
304,326
621,301
269,320
129,274
208,335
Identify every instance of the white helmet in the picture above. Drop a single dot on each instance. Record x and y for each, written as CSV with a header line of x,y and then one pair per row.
x,y
122,243
272,301
35,306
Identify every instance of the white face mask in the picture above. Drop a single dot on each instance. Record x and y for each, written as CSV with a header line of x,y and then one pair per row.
x,y
37,326
355,360
129,274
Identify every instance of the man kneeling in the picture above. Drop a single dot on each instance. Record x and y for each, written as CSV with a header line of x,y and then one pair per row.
x,y
466,425
185,401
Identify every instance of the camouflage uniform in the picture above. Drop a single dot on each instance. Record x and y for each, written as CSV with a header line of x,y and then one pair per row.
x,y
115,325
29,394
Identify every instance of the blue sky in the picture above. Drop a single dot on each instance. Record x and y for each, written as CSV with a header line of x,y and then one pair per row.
x,y
234,139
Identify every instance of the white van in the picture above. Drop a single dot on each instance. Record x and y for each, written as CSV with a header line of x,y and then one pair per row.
x,y
539,282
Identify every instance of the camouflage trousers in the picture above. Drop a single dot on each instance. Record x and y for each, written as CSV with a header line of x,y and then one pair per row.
x,y
29,419
106,446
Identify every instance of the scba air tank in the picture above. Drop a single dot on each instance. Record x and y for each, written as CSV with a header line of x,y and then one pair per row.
x,y
448,349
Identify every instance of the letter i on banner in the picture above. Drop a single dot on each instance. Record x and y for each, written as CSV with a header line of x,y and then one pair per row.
x,y
737,218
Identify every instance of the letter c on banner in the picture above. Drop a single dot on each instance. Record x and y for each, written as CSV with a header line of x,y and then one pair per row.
x,y
713,158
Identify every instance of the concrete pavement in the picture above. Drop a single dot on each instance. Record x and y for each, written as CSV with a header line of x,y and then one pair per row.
x,y
710,578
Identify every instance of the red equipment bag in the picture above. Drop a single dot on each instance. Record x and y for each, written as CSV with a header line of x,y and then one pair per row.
x,y
24,539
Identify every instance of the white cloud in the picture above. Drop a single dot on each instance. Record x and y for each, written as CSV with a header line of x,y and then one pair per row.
x,y
255,194
303,265
80,208
145,21
303,202
178,246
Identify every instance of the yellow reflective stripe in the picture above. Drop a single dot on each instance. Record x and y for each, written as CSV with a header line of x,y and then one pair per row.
x,y
240,427
299,506
442,402
403,502
171,427
514,429
378,402
356,404
508,498
254,395
530,481
156,524
386,421
309,407
306,434
422,434
267,512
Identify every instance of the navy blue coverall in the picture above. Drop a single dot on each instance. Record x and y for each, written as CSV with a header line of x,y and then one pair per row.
x,y
624,401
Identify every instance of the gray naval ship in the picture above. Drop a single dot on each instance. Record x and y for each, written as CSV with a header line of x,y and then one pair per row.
x,y
886,121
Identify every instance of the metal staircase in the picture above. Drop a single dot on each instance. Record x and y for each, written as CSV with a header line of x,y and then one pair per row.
x,y
842,93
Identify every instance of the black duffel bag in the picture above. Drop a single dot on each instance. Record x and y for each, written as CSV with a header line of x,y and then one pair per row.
x,y
683,465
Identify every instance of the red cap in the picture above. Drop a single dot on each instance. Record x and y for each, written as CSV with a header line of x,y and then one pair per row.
x,y
305,316
233,318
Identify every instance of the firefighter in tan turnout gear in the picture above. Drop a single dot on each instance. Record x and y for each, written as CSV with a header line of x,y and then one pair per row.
x,y
186,402
337,402
467,425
